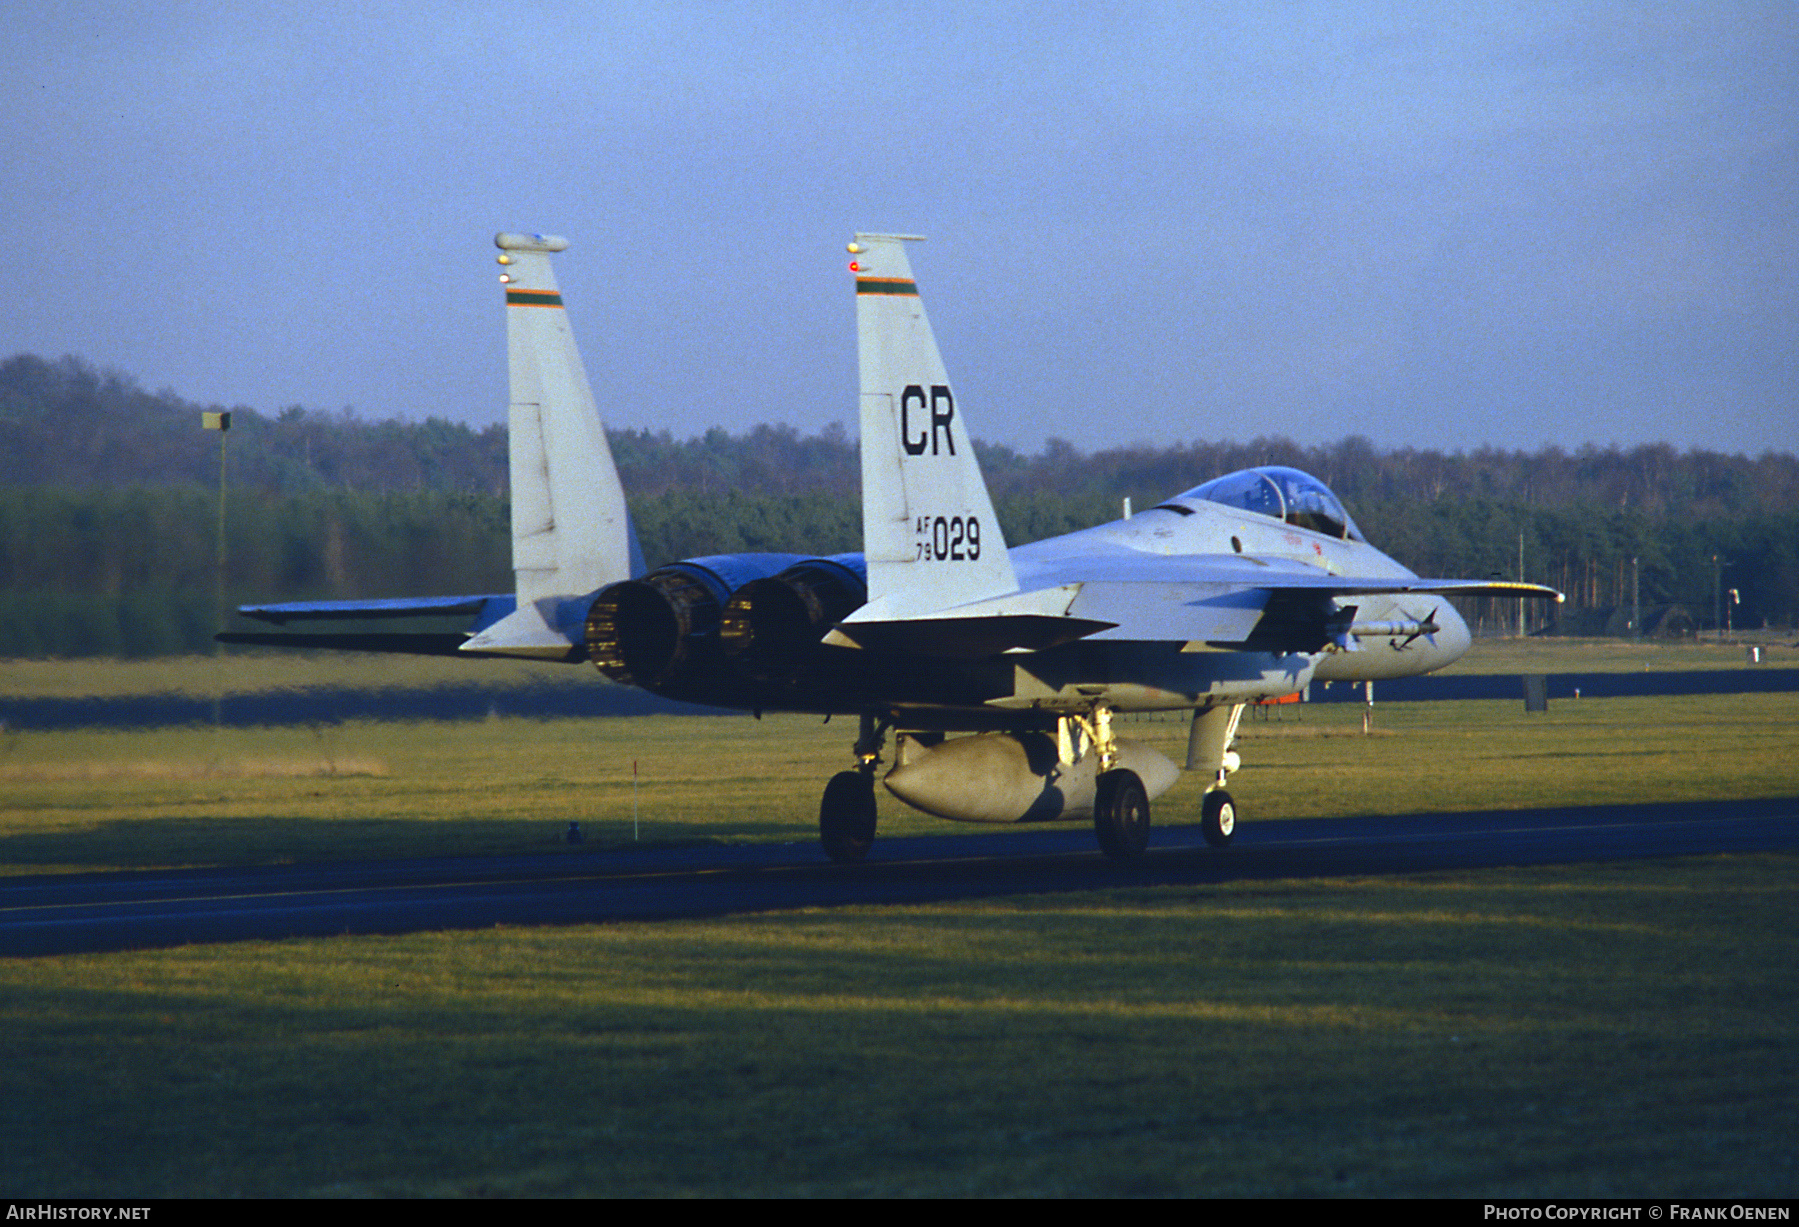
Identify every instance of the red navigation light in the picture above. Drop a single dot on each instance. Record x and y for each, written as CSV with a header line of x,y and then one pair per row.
x,y
855,266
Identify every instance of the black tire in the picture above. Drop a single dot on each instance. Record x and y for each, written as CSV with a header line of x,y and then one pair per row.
x,y
846,816
1121,815
1218,818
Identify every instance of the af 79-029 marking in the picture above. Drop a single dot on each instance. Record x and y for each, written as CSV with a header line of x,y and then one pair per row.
x,y
951,539
1243,588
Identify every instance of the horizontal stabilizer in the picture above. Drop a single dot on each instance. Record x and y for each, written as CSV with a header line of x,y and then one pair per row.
x,y
547,629
1013,622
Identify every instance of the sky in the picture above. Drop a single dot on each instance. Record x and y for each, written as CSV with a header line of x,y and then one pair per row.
x,y
1437,226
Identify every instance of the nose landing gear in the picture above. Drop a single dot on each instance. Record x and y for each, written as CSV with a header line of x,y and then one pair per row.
x,y
1218,818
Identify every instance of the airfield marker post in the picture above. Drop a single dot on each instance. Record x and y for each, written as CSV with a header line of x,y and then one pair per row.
x,y
634,800
1536,692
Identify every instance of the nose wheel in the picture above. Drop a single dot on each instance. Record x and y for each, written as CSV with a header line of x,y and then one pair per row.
x,y
1218,818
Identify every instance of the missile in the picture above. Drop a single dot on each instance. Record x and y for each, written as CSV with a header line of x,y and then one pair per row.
x,y
1012,777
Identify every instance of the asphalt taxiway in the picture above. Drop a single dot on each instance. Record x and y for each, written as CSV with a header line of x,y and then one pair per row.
x,y
57,914
555,701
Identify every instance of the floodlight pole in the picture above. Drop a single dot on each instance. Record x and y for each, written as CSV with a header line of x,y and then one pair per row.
x,y
224,433
220,422
1636,599
1521,580
1717,599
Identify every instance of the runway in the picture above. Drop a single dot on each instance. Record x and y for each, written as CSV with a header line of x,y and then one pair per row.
x,y
119,911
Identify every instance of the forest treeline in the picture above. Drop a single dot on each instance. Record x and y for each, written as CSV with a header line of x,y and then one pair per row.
x,y
109,506
68,423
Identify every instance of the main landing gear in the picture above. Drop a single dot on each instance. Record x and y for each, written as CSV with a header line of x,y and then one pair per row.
x,y
1120,802
1119,797
1121,814
846,815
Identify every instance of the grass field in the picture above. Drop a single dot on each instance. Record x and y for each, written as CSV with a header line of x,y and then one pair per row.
x,y
1594,1031
241,672
75,800
1778,651
1621,1029
252,671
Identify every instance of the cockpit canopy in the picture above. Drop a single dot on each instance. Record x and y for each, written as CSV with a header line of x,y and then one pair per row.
x,y
1286,494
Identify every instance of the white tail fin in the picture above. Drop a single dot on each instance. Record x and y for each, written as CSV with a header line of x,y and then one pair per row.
x,y
571,533
928,528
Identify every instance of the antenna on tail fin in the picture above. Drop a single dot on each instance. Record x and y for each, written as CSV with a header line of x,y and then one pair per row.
x,y
571,532
928,528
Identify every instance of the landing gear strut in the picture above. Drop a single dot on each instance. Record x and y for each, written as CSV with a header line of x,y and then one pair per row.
x,y
1209,749
846,815
1120,802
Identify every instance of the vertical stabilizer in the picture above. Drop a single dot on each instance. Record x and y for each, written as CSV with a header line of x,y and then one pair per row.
x,y
928,528
571,533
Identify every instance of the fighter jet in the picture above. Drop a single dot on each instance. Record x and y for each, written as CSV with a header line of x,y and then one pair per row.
x,y
995,671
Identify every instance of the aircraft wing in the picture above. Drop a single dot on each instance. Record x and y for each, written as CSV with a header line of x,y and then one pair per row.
x,y
395,607
1278,613
1302,609
571,531
440,644
552,630
485,609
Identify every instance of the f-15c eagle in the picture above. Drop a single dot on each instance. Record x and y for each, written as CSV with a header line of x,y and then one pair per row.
x,y
995,670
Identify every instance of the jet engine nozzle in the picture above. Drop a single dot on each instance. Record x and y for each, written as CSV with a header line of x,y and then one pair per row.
x,y
649,632
772,626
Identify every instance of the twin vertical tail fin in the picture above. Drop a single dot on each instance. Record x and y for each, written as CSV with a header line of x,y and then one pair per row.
x,y
571,533
928,529
931,539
